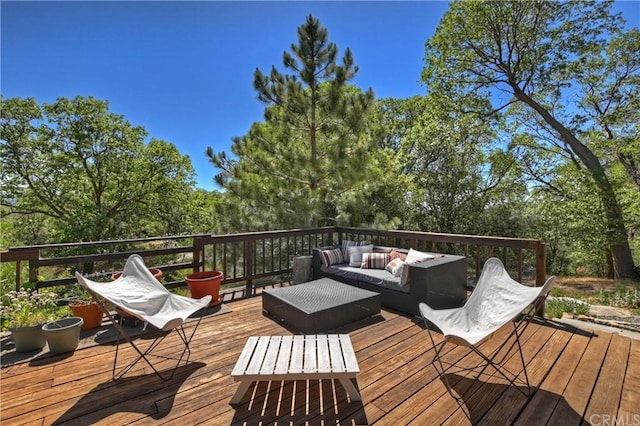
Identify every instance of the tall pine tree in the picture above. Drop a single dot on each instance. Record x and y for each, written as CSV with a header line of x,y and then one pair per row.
x,y
295,168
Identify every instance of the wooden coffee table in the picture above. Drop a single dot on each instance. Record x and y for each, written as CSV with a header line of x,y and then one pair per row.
x,y
310,357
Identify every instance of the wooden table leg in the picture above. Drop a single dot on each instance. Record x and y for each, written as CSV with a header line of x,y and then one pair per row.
x,y
242,389
353,393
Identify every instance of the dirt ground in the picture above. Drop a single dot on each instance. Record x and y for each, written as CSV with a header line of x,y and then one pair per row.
x,y
591,284
621,318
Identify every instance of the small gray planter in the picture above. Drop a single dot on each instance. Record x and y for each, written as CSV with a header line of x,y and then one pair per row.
x,y
63,335
27,339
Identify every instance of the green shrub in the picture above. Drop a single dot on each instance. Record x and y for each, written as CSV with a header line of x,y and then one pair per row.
x,y
621,297
555,307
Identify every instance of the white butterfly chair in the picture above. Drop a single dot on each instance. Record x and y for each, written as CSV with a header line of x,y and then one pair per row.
x,y
139,293
496,300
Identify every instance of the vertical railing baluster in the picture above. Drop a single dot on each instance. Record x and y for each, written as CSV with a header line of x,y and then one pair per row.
x,y
519,263
214,255
224,259
249,249
271,248
265,257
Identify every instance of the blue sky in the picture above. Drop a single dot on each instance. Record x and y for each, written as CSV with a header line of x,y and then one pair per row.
x,y
184,70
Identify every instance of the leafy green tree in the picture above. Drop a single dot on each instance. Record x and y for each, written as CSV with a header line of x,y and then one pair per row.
x,y
562,215
546,64
453,161
84,174
312,150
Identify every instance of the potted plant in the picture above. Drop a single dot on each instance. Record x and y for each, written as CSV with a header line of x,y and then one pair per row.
x,y
23,312
82,305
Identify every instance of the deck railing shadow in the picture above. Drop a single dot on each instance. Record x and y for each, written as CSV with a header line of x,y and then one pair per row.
x,y
136,393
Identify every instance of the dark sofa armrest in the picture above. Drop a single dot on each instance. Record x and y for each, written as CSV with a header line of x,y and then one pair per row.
x,y
316,262
439,282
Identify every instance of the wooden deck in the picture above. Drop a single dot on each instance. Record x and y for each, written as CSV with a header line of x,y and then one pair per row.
x,y
579,376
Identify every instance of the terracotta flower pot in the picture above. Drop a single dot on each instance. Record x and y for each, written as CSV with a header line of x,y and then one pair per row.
x,y
205,283
157,273
89,312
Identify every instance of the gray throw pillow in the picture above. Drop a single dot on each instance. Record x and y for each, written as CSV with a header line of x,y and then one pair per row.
x,y
355,254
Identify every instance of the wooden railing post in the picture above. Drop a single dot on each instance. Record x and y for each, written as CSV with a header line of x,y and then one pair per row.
x,y
541,264
198,254
33,271
541,271
18,278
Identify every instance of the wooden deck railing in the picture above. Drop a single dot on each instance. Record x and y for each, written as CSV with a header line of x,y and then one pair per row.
x,y
257,257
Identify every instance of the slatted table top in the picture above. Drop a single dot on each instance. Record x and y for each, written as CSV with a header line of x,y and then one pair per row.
x,y
280,357
299,357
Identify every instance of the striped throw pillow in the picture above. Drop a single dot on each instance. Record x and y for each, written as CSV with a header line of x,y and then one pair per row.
x,y
375,260
331,257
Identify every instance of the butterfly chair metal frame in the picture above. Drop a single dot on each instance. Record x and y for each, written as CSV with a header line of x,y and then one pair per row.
x,y
520,323
186,340
140,294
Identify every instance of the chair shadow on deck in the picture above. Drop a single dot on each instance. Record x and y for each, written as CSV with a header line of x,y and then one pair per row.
x,y
145,394
478,397
298,402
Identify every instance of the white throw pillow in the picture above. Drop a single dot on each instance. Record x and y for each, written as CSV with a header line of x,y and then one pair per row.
x,y
395,267
417,256
355,254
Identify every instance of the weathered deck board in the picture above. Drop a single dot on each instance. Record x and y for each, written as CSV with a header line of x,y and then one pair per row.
x,y
578,392
541,406
608,389
576,374
630,399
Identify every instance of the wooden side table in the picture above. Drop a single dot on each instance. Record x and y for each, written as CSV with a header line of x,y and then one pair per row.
x,y
299,357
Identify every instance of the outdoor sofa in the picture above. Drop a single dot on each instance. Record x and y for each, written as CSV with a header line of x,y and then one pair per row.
x,y
440,281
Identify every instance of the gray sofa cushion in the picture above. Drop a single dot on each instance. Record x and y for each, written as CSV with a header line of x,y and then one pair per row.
x,y
379,277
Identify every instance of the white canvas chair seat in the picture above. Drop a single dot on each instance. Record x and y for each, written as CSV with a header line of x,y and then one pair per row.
x,y
139,293
496,300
